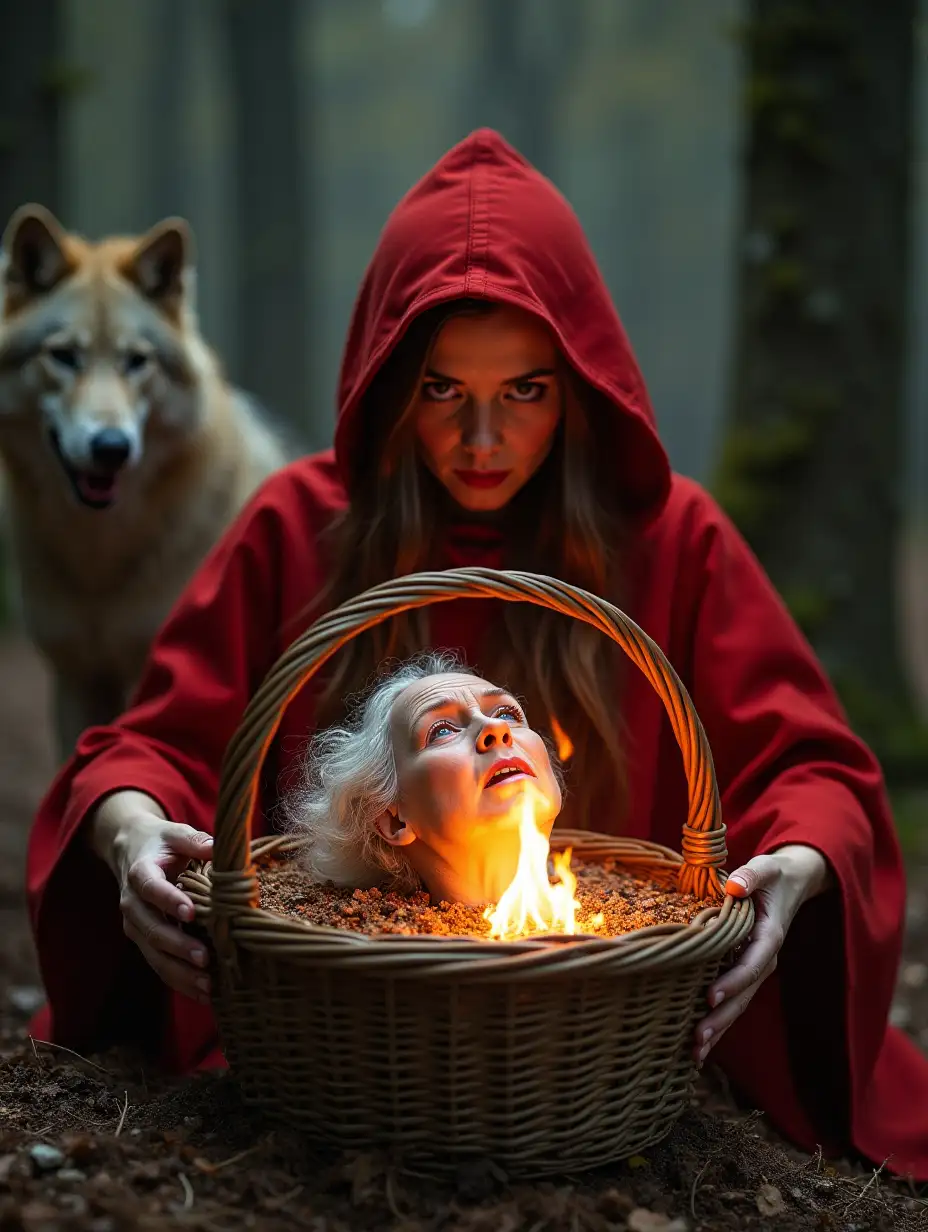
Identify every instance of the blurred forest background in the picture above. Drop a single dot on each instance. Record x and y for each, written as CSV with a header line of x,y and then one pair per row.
x,y
745,173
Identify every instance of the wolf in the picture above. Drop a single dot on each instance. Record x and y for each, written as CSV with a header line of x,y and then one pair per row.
x,y
125,451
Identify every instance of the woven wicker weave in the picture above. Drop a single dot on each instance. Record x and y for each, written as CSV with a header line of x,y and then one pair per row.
x,y
544,1054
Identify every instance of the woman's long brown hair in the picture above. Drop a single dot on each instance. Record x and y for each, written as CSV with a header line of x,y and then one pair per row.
x,y
565,522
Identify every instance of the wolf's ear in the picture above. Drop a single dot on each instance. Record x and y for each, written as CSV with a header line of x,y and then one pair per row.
x,y
33,249
160,259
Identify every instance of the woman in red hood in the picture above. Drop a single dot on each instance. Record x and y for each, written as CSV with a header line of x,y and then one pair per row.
x,y
492,413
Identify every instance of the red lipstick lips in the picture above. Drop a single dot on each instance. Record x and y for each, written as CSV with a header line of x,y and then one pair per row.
x,y
482,479
508,768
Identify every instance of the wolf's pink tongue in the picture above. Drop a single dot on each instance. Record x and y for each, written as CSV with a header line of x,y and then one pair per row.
x,y
97,487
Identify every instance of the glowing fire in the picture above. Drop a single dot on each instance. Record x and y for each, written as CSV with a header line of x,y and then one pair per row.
x,y
531,903
565,748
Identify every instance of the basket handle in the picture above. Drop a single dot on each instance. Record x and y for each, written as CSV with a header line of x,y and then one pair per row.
x,y
235,883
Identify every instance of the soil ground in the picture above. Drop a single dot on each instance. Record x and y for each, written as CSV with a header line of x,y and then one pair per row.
x,y
102,1145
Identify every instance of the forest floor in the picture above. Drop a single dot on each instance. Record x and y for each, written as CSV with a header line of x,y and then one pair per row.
x,y
101,1145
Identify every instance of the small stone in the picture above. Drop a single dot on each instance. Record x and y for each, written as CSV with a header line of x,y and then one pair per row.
x,y
643,1220
26,998
75,1204
46,1158
72,1174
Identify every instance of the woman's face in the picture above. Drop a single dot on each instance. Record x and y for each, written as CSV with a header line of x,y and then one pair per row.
x,y
489,405
465,757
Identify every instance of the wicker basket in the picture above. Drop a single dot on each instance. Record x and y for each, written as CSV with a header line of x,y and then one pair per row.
x,y
544,1055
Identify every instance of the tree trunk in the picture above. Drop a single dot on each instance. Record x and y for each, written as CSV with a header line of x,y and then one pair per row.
x,y
34,79
270,359
529,51
167,163
812,468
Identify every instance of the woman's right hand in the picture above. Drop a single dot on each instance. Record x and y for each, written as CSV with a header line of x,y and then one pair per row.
x,y
146,853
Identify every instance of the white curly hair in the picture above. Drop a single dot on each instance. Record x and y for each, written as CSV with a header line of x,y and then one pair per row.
x,y
349,778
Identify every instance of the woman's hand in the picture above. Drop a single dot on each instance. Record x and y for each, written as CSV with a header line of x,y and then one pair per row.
x,y
146,853
779,883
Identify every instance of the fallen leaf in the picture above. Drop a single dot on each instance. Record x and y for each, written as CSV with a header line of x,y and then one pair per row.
x,y
770,1200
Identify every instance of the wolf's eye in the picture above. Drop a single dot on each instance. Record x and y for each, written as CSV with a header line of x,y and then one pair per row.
x,y
66,356
135,361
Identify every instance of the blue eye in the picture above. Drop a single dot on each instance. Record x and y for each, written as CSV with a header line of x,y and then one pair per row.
x,y
513,712
438,729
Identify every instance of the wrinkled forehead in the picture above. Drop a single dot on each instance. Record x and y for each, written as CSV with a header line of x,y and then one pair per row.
x,y
433,693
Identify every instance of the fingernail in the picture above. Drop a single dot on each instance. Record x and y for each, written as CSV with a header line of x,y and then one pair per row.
x,y
203,983
185,912
718,998
707,1035
206,838
703,1053
198,956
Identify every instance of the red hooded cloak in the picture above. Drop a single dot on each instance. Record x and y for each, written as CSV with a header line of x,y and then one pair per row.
x,y
814,1049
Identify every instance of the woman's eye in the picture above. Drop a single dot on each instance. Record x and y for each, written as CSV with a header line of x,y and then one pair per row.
x,y
440,391
438,731
528,391
511,712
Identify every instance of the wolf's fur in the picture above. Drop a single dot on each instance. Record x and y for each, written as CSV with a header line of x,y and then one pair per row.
x,y
100,336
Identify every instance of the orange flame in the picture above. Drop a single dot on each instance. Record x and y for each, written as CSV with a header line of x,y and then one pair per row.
x,y
565,748
531,903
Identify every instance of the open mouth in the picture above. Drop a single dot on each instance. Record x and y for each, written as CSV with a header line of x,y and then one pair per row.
x,y
94,489
508,771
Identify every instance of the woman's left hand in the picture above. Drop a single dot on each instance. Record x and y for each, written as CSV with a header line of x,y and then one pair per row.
x,y
779,884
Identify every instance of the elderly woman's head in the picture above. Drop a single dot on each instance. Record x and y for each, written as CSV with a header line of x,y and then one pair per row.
x,y
425,784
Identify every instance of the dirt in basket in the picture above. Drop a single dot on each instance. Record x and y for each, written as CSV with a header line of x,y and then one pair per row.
x,y
612,901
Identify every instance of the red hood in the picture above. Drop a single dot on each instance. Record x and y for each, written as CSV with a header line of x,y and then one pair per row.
x,y
484,223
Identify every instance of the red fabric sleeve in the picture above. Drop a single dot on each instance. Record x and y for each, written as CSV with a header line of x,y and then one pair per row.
x,y
790,770
213,650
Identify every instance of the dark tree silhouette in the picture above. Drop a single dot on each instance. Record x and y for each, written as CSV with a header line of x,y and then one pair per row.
x,y
274,219
34,78
525,59
167,191
812,469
